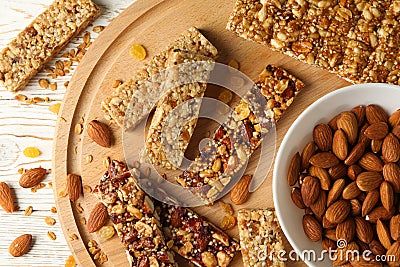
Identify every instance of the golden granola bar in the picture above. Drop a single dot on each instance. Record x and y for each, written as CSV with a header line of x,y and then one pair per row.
x,y
134,217
260,238
170,132
50,32
149,81
232,144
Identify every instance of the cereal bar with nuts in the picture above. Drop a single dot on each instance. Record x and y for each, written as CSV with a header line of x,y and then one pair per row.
x,y
50,32
134,217
242,133
149,81
260,238
195,239
170,130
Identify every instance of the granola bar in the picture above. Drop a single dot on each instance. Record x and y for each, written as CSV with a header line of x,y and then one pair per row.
x,y
243,132
195,239
24,56
260,238
339,36
134,217
149,81
170,131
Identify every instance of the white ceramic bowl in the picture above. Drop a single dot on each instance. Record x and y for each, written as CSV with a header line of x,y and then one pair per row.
x,y
299,134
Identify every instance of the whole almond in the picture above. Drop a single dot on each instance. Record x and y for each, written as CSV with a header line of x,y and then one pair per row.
x,y
310,190
297,199
74,186
20,245
312,228
395,227
379,213
324,160
394,119
338,211
340,146
364,230
353,171
382,232
355,207
355,154
328,244
99,133
294,169
391,173
370,201
362,138
97,218
240,192
375,114
348,123
371,162
322,175
340,257
376,248
368,181
336,191
330,234
359,112
6,198
351,191
306,154
327,224
337,171
319,206
391,148
333,122
393,255
32,177
322,136
346,230
387,195
396,131
377,131
376,145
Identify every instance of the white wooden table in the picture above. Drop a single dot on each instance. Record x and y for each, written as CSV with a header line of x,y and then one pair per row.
x,y
33,125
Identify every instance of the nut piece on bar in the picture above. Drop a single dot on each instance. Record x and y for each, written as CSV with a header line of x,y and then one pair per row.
x,y
134,217
233,144
24,56
116,106
343,37
260,237
195,239
170,130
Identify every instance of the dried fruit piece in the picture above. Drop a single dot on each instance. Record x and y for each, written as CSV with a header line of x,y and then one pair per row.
x,y
99,133
20,245
228,222
106,232
226,207
31,152
138,51
74,186
240,192
70,262
32,177
6,198
97,218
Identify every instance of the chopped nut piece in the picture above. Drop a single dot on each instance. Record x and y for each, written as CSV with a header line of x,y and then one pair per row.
x,y
70,262
79,208
89,158
234,64
87,189
106,162
83,220
44,83
117,83
55,108
37,187
21,170
53,210
50,221
28,211
73,237
50,184
98,29
21,98
53,86
51,235
138,52
66,84
86,37
32,152
62,193
78,128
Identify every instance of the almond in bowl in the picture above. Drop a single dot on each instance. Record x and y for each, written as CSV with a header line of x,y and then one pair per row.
x,y
338,179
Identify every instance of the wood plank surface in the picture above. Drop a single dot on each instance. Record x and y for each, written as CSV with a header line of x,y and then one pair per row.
x,y
33,125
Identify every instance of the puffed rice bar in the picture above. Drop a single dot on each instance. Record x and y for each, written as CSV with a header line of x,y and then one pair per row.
x,y
146,80
195,239
260,238
134,217
50,32
244,130
170,131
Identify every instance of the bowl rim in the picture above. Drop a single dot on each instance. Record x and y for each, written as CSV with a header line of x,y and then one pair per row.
x,y
283,144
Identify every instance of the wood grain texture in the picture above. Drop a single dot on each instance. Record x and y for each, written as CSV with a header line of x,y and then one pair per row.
x,y
109,59
33,125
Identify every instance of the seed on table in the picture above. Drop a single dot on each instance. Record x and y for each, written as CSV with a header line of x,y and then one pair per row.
x,y
50,221
51,235
28,211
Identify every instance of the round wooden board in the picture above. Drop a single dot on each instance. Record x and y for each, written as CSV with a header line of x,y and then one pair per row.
x,y
154,24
